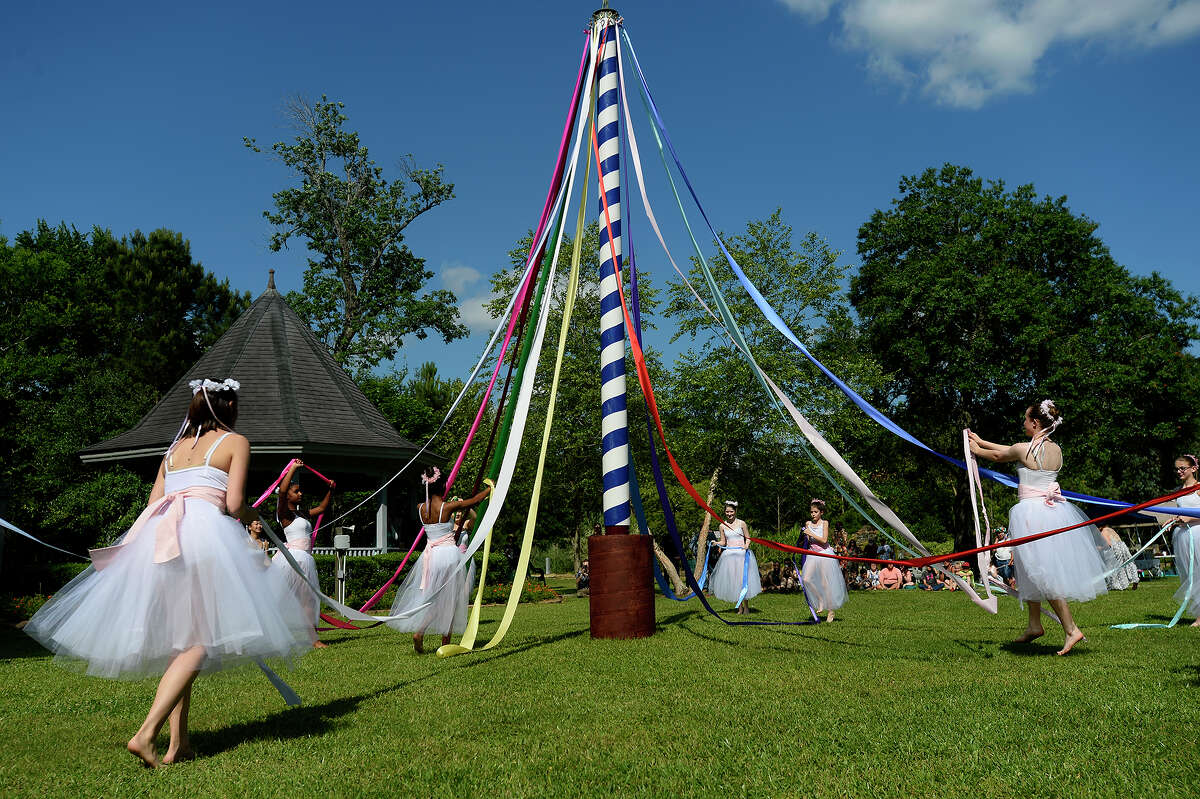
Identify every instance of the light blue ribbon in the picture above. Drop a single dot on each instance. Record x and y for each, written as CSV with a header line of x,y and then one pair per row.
x,y
777,322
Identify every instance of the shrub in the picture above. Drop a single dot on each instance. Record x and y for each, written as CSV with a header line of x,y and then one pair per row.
x,y
18,608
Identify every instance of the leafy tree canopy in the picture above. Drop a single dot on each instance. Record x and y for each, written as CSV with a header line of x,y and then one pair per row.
x,y
94,329
363,288
980,301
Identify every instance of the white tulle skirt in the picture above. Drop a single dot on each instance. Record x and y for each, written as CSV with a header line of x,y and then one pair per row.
x,y
726,580
824,583
1185,541
447,593
130,619
310,603
1063,566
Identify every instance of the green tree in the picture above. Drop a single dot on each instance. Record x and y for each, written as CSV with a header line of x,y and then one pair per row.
x,y
733,431
981,301
94,328
363,287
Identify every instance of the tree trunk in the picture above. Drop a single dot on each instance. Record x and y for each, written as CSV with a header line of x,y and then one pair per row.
x,y
677,585
702,541
575,549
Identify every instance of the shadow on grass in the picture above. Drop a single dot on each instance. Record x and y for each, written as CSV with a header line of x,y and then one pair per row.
x,y
792,633
298,722
536,643
15,644
1039,649
1190,672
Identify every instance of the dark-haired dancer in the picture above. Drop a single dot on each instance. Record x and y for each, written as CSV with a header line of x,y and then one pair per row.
x,y
823,580
298,531
1185,539
182,592
1060,567
737,565
437,579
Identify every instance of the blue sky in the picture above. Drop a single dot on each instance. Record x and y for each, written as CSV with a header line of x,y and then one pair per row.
x,y
131,115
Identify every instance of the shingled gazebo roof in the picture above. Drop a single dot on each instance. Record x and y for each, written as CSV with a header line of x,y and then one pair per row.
x,y
295,401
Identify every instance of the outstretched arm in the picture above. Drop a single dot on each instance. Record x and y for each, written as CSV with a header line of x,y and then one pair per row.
x,y
323,506
460,504
1000,453
281,492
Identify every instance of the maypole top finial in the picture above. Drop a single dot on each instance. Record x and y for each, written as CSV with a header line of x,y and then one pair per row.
x,y
604,12
270,278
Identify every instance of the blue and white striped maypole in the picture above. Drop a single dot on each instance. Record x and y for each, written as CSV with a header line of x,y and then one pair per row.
x,y
614,421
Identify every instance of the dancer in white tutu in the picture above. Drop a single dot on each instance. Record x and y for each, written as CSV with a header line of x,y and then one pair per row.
x,y
1185,540
823,580
737,565
298,531
1059,567
183,591
439,580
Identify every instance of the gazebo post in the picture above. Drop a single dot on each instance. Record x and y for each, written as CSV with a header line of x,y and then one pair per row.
x,y
381,521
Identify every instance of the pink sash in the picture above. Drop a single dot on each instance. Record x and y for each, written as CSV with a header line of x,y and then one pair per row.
x,y
166,532
1052,494
448,538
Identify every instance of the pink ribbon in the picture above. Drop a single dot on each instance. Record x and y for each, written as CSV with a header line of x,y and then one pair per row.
x,y
1052,494
448,538
166,532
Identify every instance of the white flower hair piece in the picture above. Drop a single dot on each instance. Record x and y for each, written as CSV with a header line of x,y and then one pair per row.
x,y
228,384
731,503
1049,410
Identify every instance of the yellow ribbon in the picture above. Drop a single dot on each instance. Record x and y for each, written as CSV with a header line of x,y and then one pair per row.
x,y
467,643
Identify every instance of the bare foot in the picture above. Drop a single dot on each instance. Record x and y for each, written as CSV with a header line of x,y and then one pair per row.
x,y
179,756
829,616
1072,639
417,644
1196,623
1029,635
144,751
319,644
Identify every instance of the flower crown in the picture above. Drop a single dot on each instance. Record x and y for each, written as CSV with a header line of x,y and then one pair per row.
x,y
1049,410
228,384
730,503
431,478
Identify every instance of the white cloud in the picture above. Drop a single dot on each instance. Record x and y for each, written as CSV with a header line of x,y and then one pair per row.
x,y
457,276
964,52
474,315
816,9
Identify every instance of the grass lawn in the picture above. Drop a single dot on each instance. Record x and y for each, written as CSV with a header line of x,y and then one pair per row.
x,y
907,694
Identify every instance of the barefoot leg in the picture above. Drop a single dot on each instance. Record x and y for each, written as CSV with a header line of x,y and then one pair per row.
x,y
1070,628
1034,629
418,643
445,640
176,680
180,747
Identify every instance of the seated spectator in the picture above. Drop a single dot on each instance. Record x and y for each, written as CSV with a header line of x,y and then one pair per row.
x,y
1003,557
872,578
884,551
890,577
930,581
910,580
583,579
948,583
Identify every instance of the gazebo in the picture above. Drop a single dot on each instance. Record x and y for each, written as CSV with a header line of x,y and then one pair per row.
x,y
295,402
